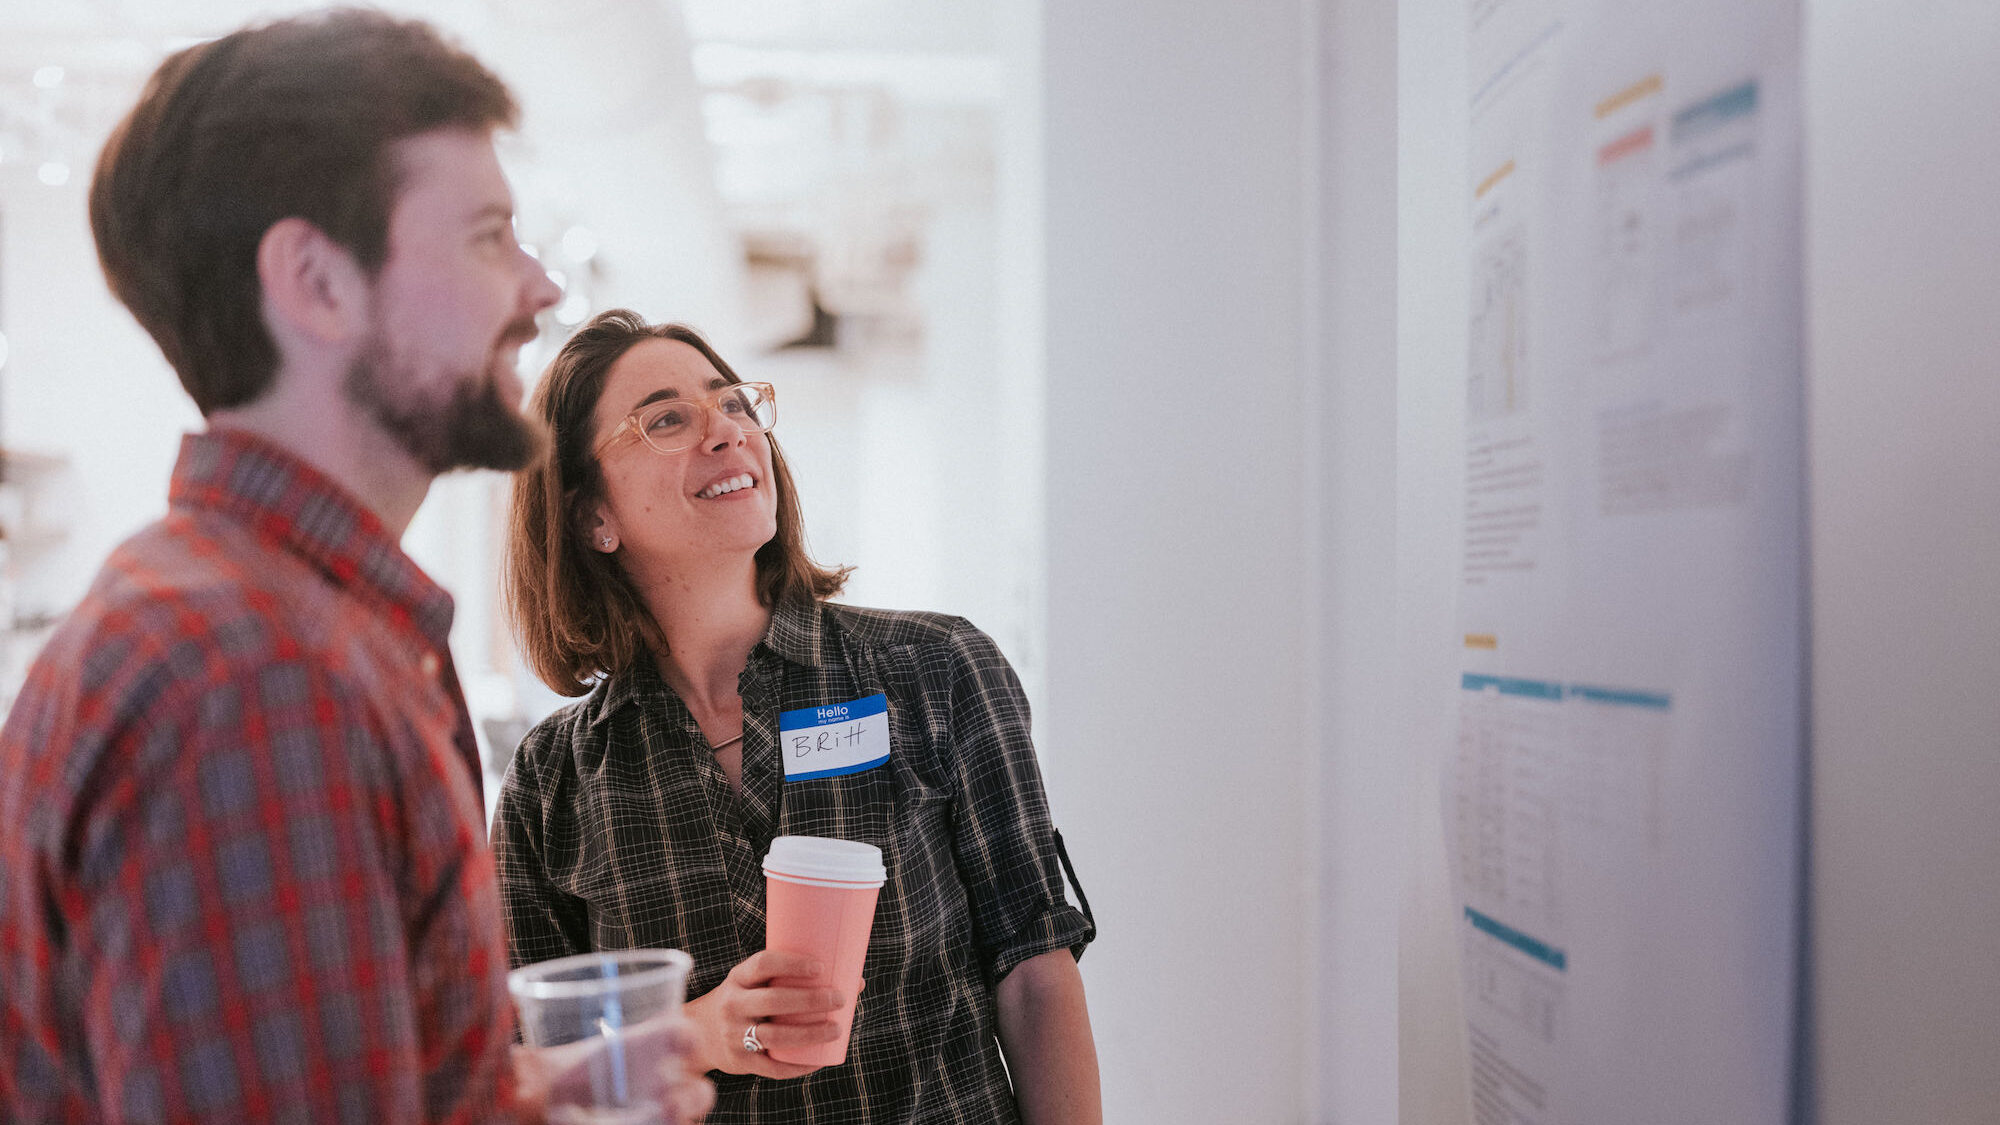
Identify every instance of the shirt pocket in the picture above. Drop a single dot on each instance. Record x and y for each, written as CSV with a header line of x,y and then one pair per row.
x,y
649,877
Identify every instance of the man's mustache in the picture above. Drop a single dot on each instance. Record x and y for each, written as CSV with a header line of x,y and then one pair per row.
x,y
521,330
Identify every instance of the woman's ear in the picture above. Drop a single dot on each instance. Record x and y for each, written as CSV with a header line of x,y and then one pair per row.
x,y
598,527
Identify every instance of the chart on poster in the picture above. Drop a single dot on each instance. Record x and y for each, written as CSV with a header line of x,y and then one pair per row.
x,y
1623,805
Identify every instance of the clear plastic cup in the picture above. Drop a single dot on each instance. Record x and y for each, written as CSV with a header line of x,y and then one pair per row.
x,y
820,901
605,1026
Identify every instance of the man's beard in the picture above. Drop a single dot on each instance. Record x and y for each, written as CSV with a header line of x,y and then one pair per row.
x,y
469,426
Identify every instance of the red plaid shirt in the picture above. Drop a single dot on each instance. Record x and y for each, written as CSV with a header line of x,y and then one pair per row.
x,y
243,865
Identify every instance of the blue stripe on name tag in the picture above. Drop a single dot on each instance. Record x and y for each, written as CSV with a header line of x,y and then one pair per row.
x,y
806,717
841,771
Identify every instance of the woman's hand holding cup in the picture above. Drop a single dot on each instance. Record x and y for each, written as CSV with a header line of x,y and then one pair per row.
x,y
758,993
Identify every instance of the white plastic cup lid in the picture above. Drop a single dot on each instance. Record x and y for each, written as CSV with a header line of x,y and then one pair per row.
x,y
823,859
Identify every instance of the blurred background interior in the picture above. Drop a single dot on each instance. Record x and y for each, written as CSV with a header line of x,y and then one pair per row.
x,y
1130,331
817,187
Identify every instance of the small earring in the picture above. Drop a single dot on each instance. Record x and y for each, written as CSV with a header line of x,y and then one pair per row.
x,y
606,542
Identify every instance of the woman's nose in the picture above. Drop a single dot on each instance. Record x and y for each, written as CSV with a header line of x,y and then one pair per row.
x,y
723,431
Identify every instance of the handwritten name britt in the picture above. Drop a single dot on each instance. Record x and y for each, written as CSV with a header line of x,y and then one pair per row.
x,y
812,742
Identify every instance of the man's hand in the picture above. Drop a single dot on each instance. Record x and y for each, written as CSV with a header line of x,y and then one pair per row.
x,y
572,1074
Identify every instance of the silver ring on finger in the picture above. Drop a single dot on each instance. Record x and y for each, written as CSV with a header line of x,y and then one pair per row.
x,y
750,1041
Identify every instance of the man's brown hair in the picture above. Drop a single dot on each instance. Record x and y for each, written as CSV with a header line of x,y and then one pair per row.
x,y
577,616
292,119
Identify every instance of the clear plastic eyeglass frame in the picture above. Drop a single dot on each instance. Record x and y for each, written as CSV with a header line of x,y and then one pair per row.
x,y
753,407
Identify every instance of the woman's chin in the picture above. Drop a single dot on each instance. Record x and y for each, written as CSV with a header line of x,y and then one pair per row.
x,y
744,545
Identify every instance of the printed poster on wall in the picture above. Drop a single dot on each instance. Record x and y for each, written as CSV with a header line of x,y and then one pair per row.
x,y
1623,804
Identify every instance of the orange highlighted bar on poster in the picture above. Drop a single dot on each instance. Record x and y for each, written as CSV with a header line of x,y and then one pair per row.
x,y
1644,88
1499,174
1482,640
1638,140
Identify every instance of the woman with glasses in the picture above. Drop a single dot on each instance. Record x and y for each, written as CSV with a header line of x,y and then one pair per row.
x,y
656,566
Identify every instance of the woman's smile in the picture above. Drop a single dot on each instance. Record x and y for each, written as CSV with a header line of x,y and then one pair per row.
x,y
739,485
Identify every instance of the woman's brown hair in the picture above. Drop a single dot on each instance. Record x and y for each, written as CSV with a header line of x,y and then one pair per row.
x,y
577,616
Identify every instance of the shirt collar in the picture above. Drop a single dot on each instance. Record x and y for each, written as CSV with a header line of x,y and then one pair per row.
x,y
639,680
793,634
282,499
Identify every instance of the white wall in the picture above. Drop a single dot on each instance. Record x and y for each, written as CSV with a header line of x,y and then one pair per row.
x,y
1431,316
1353,456
1903,181
1176,753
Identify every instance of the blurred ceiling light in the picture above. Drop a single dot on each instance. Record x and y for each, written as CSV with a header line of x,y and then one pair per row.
x,y
579,244
926,77
48,77
573,310
3,351
54,173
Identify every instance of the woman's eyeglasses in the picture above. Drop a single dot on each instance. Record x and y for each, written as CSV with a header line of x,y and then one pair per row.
x,y
673,424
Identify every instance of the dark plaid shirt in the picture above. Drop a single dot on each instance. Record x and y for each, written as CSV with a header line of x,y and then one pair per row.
x,y
617,829
243,875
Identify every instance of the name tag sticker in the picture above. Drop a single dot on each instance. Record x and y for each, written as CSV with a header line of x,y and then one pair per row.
x,y
836,739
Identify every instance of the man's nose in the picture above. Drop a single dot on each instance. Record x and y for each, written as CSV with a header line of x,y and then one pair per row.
x,y
542,289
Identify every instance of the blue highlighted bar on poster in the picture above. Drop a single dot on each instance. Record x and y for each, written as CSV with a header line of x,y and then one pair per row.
x,y
1713,113
1540,951
1620,698
1542,689
1508,685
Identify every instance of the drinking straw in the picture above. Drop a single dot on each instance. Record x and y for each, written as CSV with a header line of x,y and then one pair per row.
x,y
610,1024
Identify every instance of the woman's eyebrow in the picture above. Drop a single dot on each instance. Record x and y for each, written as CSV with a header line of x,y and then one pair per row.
x,y
664,393
656,396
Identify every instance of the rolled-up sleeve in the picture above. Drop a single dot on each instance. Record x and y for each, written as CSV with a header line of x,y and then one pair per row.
x,y
1003,839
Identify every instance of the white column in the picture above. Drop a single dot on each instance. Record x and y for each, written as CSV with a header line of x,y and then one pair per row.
x,y
613,120
1175,234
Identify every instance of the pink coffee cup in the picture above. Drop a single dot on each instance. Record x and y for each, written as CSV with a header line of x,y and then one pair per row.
x,y
820,901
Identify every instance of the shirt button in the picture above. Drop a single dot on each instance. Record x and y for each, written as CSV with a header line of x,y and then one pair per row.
x,y
429,664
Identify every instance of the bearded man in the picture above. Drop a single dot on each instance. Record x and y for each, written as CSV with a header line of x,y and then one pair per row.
x,y
243,863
